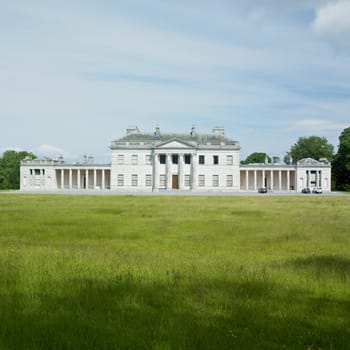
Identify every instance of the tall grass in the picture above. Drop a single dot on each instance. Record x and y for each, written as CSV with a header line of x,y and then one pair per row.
x,y
91,272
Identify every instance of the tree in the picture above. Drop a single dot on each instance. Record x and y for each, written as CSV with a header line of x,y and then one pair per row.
x,y
311,147
341,164
10,168
257,157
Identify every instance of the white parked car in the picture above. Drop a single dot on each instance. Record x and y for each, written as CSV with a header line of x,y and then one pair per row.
x,y
317,190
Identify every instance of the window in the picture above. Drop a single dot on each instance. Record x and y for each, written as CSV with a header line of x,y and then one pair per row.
x,y
31,171
229,159
148,159
120,180
187,159
201,159
201,180
120,159
148,180
162,180
215,180
215,160
37,171
187,180
134,159
134,180
162,158
229,180
175,158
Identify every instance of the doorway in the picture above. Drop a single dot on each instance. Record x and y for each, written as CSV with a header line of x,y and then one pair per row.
x,y
175,183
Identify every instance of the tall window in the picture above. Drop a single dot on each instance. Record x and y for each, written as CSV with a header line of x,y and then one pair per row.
x,y
120,180
201,159
229,159
148,180
187,159
187,180
134,180
229,180
134,159
148,159
162,158
162,180
120,159
215,180
175,158
215,160
201,180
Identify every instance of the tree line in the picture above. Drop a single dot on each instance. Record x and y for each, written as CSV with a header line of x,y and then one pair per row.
x,y
306,147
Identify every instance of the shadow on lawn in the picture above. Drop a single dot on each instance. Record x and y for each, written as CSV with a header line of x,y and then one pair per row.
x,y
129,314
323,264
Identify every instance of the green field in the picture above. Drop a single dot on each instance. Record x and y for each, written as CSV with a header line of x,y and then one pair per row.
x,y
129,272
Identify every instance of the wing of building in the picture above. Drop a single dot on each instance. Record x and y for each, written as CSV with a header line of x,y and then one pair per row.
x,y
153,162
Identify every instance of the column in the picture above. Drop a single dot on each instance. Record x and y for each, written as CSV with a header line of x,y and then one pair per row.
x,y
255,185
263,178
246,180
70,179
78,179
168,172
87,178
94,179
62,179
155,175
271,179
103,183
193,171
181,172
279,180
288,180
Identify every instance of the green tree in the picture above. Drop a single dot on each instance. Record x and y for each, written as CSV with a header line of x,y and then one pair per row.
x,y
10,168
341,164
311,147
257,157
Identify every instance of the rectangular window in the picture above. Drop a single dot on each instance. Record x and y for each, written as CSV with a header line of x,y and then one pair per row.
x,y
31,171
229,159
161,180
162,158
134,180
148,159
187,180
201,180
37,171
175,158
134,159
201,159
120,159
229,180
187,159
120,180
215,180
215,160
148,180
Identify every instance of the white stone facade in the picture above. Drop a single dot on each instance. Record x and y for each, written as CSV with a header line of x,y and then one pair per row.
x,y
173,162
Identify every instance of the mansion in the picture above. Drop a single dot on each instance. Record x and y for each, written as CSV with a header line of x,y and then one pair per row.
x,y
155,162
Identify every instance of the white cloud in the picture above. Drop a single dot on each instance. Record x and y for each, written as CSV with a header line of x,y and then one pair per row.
x,y
50,151
318,125
333,21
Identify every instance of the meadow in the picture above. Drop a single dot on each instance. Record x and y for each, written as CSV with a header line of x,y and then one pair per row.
x,y
129,272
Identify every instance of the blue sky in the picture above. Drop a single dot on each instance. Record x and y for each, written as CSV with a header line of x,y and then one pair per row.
x,y
74,74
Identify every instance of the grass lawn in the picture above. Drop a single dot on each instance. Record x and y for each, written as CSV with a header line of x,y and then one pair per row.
x,y
128,272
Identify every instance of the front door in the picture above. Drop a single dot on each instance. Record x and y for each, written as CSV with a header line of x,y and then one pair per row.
x,y
175,182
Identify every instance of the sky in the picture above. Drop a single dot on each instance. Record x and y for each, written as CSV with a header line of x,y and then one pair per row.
x,y
74,74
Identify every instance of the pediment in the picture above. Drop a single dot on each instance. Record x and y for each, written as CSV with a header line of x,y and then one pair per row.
x,y
175,143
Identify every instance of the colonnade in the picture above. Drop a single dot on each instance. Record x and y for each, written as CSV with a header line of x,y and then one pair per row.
x,y
272,179
82,178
